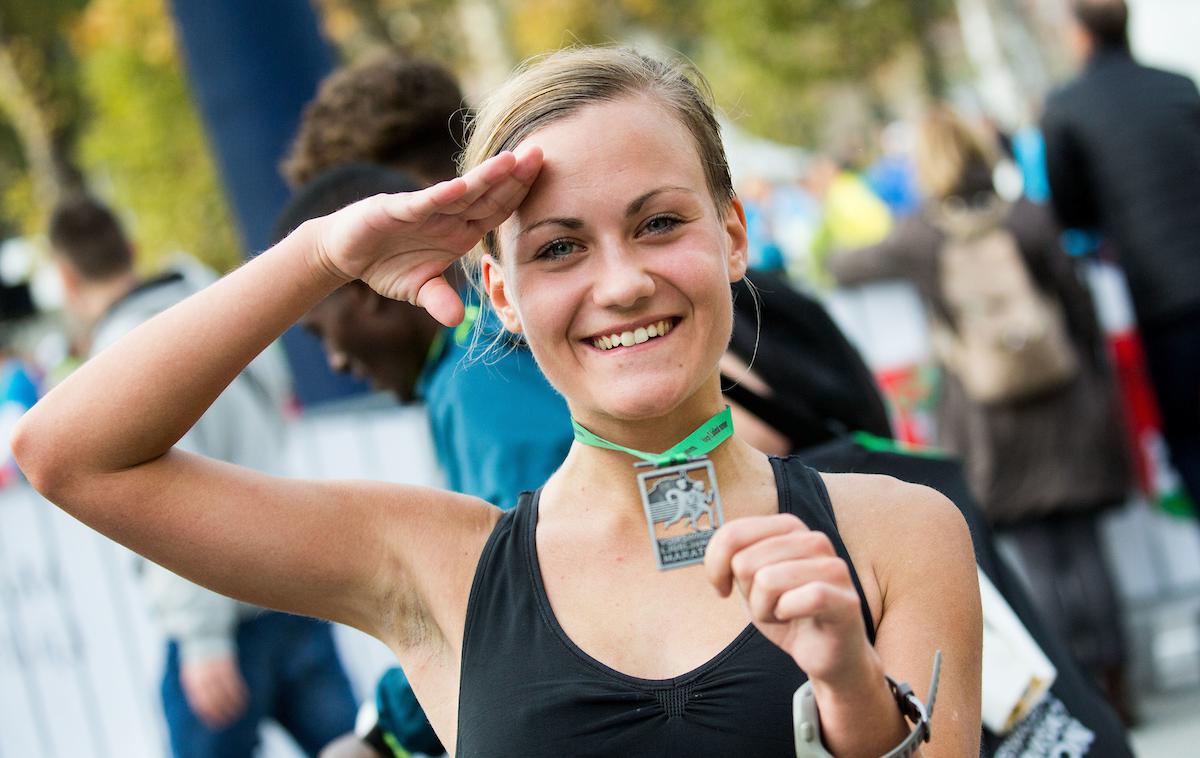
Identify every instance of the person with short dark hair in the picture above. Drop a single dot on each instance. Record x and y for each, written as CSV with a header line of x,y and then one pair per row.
x,y
390,110
1104,21
385,342
407,114
1123,156
89,235
229,665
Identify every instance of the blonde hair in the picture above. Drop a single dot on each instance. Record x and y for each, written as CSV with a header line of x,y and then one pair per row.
x,y
947,150
556,86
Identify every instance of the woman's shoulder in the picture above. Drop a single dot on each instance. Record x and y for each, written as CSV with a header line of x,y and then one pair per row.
x,y
879,504
887,518
906,540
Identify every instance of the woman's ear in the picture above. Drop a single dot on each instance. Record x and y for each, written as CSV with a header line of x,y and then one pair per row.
x,y
502,301
739,242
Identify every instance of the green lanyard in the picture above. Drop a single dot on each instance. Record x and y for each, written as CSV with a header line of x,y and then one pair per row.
x,y
700,442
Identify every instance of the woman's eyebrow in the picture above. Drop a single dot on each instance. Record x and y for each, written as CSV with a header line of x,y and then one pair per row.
x,y
634,206
640,200
570,223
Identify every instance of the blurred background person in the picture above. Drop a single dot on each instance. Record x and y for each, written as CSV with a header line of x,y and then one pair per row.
x,y
1026,397
765,253
407,114
1123,156
229,665
394,346
852,215
387,109
18,380
891,176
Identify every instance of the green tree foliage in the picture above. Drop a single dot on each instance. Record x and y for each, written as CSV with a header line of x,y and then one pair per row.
x,y
769,61
428,28
144,147
97,98
39,109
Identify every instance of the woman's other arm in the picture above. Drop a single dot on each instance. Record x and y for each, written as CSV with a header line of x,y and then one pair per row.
x,y
923,564
916,564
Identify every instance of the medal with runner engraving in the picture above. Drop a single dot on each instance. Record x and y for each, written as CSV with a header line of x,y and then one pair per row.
x,y
683,510
679,491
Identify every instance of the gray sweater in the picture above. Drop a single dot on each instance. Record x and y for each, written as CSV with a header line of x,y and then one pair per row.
x,y
243,426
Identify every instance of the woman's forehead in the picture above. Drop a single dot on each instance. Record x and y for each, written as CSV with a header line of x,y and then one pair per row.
x,y
611,153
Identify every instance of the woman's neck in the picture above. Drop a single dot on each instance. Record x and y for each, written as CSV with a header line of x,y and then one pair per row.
x,y
656,434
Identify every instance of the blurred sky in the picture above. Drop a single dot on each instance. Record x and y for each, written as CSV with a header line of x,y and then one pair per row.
x,y
1167,33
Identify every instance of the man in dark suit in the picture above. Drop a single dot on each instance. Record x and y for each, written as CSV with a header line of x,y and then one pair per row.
x,y
1123,156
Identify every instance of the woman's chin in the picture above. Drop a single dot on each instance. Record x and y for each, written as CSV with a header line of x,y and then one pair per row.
x,y
639,403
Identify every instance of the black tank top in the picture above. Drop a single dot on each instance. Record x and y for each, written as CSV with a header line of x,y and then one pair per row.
x,y
527,690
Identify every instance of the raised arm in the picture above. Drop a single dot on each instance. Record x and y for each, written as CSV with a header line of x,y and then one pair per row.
x,y
101,444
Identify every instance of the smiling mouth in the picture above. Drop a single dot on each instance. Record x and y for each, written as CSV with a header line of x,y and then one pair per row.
x,y
632,337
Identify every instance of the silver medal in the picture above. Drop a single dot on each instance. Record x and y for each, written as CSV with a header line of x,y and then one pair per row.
x,y
683,510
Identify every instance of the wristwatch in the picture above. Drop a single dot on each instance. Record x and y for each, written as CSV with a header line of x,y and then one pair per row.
x,y
807,721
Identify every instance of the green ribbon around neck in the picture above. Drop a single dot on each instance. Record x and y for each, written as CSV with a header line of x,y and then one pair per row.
x,y
703,441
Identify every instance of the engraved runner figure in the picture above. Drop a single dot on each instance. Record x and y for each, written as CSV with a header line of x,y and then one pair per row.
x,y
690,501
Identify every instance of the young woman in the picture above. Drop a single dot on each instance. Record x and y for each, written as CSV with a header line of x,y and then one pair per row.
x,y
599,181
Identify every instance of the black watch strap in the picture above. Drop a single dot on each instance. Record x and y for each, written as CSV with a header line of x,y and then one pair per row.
x,y
807,721
915,711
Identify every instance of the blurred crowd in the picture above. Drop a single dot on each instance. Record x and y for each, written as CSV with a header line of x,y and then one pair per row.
x,y
994,231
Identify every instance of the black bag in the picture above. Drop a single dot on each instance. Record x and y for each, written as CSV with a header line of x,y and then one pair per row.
x,y
821,387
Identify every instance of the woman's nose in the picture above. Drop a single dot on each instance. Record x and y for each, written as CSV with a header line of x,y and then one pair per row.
x,y
622,279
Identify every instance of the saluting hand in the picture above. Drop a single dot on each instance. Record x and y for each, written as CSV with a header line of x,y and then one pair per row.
x,y
401,244
797,591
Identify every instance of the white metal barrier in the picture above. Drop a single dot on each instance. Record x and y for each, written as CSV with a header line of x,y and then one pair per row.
x,y
80,660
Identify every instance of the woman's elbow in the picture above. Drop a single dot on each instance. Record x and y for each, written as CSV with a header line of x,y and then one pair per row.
x,y
39,457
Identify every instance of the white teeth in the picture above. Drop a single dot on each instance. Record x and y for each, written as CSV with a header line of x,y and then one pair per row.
x,y
631,338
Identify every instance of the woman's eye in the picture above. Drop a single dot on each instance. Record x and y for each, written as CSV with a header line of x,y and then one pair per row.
x,y
661,224
557,249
